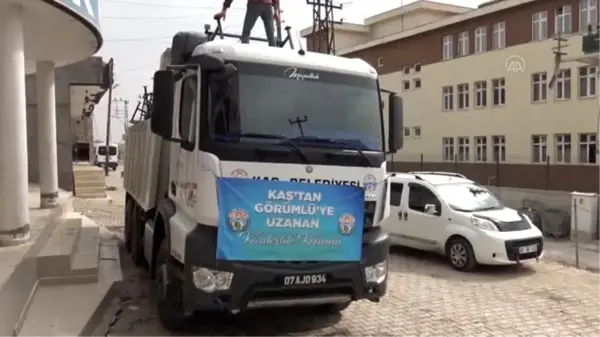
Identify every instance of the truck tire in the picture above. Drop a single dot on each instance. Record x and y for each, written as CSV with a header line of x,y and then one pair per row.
x,y
137,237
168,302
129,209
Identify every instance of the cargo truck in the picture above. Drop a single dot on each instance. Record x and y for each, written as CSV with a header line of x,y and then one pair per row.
x,y
258,179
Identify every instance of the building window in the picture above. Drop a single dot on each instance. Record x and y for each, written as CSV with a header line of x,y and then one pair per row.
x,y
587,148
448,148
405,85
499,148
480,94
539,148
406,132
587,81
499,35
464,147
417,83
416,131
379,62
563,22
539,87
448,98
448,47
563,148
499,91
480,39
463,95
539,29
562,88
417,67
406,70
462,47
481,149
588,14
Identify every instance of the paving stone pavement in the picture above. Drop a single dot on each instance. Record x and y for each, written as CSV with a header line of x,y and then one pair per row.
x,y
425,297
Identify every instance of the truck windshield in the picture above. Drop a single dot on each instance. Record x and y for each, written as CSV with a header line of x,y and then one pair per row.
x,y
305,104
112,150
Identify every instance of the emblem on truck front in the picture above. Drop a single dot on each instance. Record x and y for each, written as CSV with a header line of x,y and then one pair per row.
x,y
297,74
238,220
370,183
239,173
346,223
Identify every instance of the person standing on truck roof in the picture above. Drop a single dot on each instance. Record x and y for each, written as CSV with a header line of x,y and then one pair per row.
x,y
267,10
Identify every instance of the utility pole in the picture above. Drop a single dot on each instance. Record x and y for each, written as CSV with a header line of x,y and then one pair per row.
x,y
323,34
110,66
126,112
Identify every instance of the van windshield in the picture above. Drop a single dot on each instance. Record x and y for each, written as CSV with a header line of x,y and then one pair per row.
x,y
302,104
112,150
468,197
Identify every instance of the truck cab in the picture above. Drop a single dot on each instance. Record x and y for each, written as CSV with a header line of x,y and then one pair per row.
x,y
231,124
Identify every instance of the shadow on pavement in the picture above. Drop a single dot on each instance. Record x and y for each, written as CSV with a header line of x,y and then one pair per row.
x,y
408,260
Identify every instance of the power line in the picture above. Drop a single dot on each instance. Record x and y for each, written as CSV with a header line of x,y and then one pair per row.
x,y
138,18
146,4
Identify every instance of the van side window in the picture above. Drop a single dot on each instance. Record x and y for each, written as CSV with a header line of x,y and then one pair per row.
x,y
187,119
419,196
396,194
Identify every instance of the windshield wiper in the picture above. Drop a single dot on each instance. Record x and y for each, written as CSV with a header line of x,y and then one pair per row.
x,y
343,144
283,139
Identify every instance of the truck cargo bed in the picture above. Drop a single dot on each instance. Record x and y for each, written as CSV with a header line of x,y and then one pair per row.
x,y
141,175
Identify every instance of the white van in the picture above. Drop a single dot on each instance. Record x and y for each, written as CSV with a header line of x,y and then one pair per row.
x,y
113,155
454,216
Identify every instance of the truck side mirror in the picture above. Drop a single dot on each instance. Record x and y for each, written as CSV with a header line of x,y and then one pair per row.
x,y
395,123
161,120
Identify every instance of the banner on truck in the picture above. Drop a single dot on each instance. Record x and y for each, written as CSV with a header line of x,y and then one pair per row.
x,y
262,220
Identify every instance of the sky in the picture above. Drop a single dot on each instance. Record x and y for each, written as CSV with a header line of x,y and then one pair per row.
x,y
136,32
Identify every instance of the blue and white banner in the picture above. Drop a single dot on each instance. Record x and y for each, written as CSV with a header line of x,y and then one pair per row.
x,y
262,220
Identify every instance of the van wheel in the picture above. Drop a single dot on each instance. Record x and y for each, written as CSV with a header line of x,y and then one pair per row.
x,y
137,237
168,293
461,255
128,223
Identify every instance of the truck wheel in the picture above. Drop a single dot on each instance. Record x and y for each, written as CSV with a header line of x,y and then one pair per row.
x,y
137,237
460,254
168,293
127,230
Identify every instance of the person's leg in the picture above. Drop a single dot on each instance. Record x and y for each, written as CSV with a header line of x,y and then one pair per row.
x,y
253,11
266,14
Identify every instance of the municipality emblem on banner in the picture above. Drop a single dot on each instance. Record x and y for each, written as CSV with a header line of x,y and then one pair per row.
x,y
346,223
238,220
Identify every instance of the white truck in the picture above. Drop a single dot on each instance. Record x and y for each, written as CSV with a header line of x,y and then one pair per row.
x,y
259,180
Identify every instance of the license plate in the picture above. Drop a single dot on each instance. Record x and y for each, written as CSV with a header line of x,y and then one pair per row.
x,y
304,279
528,249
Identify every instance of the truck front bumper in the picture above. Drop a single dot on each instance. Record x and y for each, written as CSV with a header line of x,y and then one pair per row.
x,y
214,285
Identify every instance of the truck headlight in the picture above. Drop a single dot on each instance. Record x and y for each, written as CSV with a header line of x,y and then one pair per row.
x,y
484,224
376,273
209,280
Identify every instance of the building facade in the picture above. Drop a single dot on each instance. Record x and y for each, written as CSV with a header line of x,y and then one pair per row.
x,y
482,92
78,87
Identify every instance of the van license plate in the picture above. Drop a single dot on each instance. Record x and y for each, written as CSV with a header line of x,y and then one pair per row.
x,y
528,249
304,279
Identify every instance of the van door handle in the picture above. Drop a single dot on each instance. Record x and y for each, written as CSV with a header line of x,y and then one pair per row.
x,y
402,215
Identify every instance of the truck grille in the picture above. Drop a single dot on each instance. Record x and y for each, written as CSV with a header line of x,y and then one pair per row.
x,y
512,248
370,207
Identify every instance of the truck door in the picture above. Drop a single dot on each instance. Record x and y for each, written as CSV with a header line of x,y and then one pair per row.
x,y
184,188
